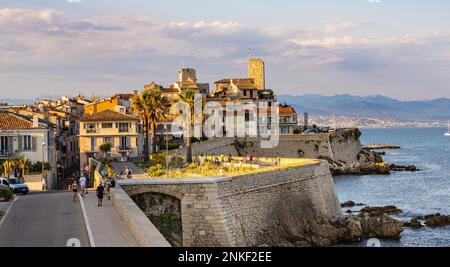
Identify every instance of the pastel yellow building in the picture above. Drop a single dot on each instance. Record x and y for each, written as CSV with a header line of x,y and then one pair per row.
x,y
122,131
119,103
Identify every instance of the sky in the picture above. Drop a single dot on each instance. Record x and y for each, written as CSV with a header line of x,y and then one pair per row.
x,y
396,48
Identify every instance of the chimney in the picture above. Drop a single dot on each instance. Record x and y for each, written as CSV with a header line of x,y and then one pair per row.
x,y
35,121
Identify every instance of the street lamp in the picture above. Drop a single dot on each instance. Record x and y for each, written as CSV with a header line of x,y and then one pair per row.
x,y
43,160
167,147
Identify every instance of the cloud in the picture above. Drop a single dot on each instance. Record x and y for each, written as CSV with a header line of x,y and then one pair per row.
x,y
341,26
125,52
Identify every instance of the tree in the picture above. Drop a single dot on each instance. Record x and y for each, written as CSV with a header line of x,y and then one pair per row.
x,y
188,97
151,106
23,164
8,166
139,107
105,148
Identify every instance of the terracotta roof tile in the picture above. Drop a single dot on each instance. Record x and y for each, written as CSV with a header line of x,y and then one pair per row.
x,y
9,121
108,115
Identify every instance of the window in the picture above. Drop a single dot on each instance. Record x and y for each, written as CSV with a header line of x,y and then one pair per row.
x,y
3,146
107,125
93,143
108,139
124,127
27,143
123,143
91,127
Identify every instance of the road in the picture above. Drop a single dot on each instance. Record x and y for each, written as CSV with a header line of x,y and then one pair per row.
x,y
43,220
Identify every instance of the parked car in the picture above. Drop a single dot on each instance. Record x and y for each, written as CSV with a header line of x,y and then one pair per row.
x,y
312,130
4,184
18,187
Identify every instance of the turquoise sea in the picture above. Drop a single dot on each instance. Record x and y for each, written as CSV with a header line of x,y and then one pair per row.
x,y
421,193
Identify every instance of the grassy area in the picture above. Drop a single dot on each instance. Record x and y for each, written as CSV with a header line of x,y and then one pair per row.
x,y
213,170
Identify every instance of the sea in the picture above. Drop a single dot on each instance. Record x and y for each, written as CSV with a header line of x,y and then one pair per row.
x,y
416,194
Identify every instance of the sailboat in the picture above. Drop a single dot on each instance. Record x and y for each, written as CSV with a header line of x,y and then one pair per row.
x,y
448,132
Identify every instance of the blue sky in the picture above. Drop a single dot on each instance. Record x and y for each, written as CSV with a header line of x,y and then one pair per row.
x,y
397,48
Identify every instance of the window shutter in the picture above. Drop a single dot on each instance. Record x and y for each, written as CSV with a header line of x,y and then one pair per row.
x,y
10,145
34,143
20,146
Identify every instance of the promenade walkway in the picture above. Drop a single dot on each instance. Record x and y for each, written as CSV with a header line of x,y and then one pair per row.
x,y
118,167
106,226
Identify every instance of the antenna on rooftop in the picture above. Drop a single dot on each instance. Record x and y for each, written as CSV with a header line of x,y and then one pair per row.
x,y
249,53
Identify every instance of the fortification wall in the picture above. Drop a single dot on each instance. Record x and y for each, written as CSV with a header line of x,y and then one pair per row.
x,y
341,146
259,209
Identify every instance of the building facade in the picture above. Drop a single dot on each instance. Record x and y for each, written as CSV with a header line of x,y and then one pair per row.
x,y
30,137
122,131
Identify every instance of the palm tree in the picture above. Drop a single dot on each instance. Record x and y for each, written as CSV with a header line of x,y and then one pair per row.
x,y
141,110
23,164
8,165
151,107
105,148
188,97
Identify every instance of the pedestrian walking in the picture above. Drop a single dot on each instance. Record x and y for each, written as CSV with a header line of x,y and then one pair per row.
x,y
83,185
100,190
107,189
44,184
88,182
74,188
129,173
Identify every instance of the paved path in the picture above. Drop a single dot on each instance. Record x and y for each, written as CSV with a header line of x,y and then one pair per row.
x,y
118,167
43,220
108,229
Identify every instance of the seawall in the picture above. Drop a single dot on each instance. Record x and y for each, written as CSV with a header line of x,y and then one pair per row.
x,y
343,146
283,207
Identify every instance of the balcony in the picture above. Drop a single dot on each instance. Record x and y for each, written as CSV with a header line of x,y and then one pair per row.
x,y
123,149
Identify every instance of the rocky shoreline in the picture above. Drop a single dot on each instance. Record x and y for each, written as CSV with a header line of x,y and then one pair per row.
x,y
376,222
353,228
433,221
368,163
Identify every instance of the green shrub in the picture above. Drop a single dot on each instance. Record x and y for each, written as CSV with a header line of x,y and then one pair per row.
x,y
159,158
156,171
5,194
176,162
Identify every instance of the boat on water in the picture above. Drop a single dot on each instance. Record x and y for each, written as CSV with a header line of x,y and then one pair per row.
x,y
448,132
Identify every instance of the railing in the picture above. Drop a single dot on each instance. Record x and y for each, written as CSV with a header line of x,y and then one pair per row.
x,y
123,148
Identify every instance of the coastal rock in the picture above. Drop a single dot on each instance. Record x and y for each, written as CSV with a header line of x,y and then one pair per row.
x,y
437,220
348,204
379,211
414,223
382,226
400,168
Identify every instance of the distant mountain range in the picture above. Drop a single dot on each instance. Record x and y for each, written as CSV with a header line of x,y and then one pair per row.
x,y
17,101
376,106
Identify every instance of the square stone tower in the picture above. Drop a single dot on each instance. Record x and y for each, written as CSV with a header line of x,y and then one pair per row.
x,y
256,71
187,74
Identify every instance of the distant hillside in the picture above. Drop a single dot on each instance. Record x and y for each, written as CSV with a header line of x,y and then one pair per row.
x,y
16,101
370,106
